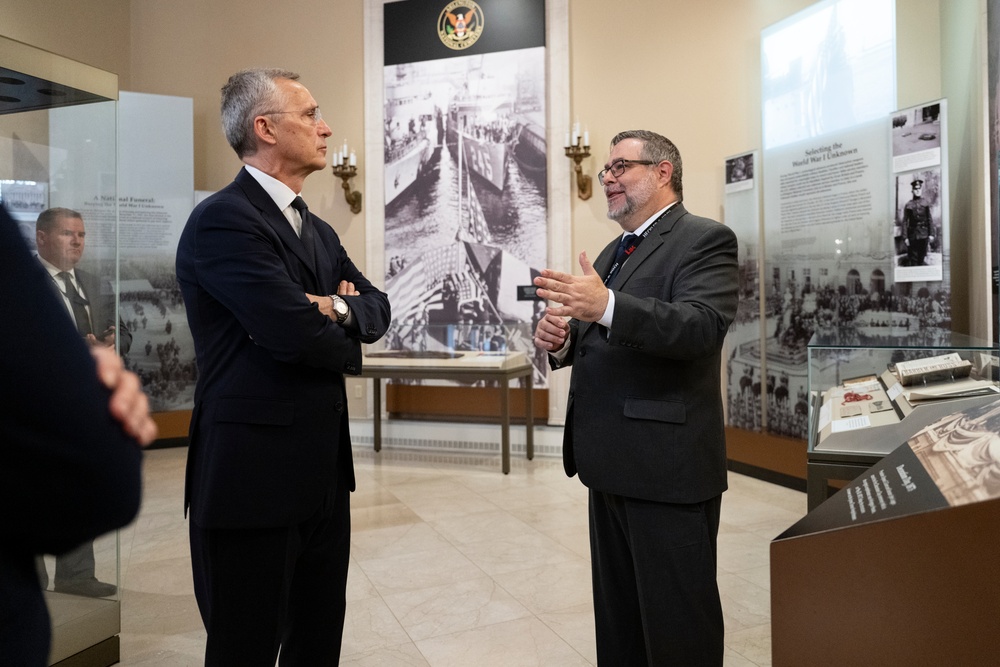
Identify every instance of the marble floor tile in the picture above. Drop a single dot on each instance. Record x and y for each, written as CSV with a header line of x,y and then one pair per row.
x,y
576,626
453,563
385,541
740,550
753,644
431,612
403,655
409,572
524,642
370,625
745,605
521,552
551,587
482,527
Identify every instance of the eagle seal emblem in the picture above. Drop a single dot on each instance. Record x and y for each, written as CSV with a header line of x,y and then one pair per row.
x,y
460,24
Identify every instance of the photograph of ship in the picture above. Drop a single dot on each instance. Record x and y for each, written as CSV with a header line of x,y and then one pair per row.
x,y
466,203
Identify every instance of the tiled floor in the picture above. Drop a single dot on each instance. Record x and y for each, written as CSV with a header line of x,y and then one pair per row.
x,y
453,563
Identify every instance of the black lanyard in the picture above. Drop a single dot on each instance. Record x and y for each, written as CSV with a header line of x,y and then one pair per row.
x,y
624,252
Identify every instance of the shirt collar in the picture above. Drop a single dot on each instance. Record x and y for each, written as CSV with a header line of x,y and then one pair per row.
x,y
53,269
641,228
275,189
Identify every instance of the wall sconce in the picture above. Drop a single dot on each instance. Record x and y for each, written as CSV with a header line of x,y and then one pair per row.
x,y
345,167
576,152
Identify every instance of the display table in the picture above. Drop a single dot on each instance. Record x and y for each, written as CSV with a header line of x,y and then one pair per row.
x,y
461,367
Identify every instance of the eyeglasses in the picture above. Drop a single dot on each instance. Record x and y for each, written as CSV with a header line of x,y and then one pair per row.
x,y
314,115
617,168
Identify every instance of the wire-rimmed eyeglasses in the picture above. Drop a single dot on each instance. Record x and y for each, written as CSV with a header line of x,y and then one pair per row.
x,y
314,115
617,168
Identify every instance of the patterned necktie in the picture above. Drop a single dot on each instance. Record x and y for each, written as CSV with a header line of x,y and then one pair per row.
x,y
78,303
624,248
307,235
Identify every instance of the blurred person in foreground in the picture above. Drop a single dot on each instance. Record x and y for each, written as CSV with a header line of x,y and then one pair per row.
x,y
71,426
278,313
644,423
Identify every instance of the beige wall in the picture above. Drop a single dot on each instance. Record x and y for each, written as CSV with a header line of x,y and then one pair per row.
x,y
190,47
690,70
94,32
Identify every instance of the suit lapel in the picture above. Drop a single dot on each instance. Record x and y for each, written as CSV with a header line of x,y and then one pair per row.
x,y
275,218
649,245
324,262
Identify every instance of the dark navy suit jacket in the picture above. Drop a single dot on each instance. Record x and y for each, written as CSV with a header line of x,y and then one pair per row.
x,y
269,432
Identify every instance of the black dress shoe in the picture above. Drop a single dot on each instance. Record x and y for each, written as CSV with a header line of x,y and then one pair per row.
x,y
91,588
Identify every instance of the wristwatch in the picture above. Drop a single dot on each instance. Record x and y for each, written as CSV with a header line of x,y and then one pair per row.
x,y
340,308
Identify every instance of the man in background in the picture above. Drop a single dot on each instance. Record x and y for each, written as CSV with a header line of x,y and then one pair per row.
x,y
278,313
644,423
70,423
60,237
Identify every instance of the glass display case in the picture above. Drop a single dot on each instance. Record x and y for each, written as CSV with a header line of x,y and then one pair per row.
x,y
870,391
58,148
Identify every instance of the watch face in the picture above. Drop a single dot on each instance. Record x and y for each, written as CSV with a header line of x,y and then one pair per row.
x,y
340,308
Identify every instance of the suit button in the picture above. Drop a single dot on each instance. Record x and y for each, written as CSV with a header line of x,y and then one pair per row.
x,y
583,352
339,406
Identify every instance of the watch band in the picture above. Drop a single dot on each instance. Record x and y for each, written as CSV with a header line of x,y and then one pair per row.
x,y
340,308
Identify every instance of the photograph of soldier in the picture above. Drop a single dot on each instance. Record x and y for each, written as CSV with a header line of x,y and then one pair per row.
x,y
917,225
918,214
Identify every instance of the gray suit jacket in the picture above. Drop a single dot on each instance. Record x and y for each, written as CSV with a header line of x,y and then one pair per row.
x,y
101,297
645,418
102,308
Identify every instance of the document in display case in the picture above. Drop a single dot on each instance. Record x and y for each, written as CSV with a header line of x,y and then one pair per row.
x,y
860,408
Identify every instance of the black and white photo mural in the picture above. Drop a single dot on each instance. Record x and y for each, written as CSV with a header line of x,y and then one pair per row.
x,y
465,173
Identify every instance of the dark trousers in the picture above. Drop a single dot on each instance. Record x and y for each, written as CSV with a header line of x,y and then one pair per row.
x,y
656,600
917,252
262,589
73,566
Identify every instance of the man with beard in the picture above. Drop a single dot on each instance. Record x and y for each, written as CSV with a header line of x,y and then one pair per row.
x,y
644,423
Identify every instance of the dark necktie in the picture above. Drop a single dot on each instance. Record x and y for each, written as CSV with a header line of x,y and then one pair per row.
x,y
624,248
307,235
78,303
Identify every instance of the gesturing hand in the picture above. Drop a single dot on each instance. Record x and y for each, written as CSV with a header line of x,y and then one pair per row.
x,y
583,297
551,333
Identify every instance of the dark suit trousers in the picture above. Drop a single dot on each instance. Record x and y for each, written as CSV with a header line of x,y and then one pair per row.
x,y
260,589
656,600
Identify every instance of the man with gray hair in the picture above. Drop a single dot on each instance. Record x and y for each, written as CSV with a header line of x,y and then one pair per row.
x,y
278,312
644,427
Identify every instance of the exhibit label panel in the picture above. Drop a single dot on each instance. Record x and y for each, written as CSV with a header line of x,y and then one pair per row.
x,y
954,461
